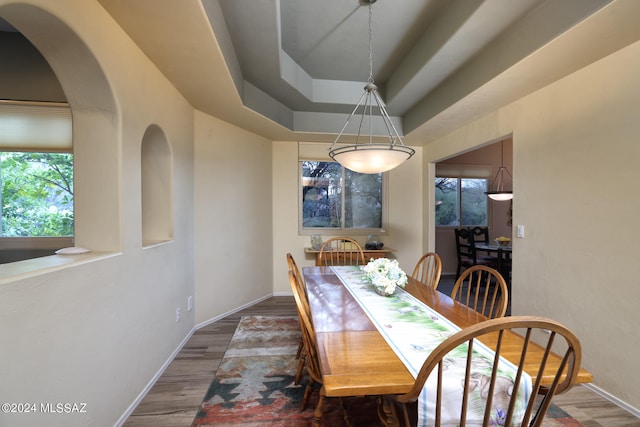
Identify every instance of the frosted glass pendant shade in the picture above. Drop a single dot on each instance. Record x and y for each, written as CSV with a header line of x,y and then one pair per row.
x,y
371,158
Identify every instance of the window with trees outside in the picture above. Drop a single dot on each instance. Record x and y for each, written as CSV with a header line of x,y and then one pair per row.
x,y
336,200
37,194
461,202
36,173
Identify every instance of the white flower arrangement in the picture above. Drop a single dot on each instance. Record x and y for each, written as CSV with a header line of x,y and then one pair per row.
x,y
385,274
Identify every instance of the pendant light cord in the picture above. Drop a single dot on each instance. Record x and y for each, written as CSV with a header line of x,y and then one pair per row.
x,y
372,157
370,80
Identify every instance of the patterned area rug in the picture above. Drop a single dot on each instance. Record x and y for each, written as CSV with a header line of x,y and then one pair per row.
x,y
254,385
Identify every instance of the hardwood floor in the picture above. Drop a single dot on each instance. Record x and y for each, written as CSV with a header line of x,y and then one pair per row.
x,y
174,400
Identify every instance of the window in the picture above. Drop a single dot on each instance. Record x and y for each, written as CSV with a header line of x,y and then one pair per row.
x,y
36,172
335,200
461,201
37,194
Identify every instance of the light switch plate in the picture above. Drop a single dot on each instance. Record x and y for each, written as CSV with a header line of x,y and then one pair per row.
x,y
520,231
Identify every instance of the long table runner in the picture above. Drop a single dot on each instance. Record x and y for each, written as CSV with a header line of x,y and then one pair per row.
x,y
412,329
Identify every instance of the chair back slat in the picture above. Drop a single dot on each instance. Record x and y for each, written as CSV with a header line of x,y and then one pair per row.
x,y
492,382
516,383
439,396
500,393
341,251
483,289
467,385
428,270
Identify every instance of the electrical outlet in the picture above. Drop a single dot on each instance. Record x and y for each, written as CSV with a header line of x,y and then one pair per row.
x,y
189,303
177,314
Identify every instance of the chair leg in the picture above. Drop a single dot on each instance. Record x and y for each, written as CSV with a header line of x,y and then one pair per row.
x,y
410,418
387,412
345,413
299,352
301,362
307,394
317,414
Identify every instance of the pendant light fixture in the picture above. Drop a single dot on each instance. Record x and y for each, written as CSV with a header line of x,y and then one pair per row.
x,y
498,192
370,157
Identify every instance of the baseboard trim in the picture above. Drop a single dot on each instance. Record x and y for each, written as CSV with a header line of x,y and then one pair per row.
x,y
283,294
235,310
166,364
611,398
151,383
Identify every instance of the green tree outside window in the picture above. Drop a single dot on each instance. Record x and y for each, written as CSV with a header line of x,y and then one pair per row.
x,y
338,198
461,202
37,194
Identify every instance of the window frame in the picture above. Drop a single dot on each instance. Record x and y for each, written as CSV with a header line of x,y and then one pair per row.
x,y
58,115
342,231
459,203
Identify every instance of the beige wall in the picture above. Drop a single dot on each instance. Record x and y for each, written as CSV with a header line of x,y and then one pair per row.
x,y
405,214
576,177
96,329
233,218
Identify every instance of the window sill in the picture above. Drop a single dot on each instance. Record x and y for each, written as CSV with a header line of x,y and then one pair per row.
x,y
36,266
337,232
147,244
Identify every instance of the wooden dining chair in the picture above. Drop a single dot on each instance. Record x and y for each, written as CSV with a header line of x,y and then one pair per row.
x,y
311,348
293,265
466,239
291,262
491,393
428,270
483,289
480,234
341,251
300,355
311,351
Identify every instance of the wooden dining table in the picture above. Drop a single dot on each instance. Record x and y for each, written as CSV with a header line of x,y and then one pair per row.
x,y
354,357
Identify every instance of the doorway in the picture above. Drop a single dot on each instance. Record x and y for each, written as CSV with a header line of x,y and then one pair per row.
x,y
481,163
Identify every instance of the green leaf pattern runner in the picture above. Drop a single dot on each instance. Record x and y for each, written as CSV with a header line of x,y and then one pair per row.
x,y
413,330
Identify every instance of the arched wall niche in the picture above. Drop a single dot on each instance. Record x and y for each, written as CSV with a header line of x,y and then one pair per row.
x,y
96,124
157,187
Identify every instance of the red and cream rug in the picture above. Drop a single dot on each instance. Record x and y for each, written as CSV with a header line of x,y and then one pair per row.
x,y
254,385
